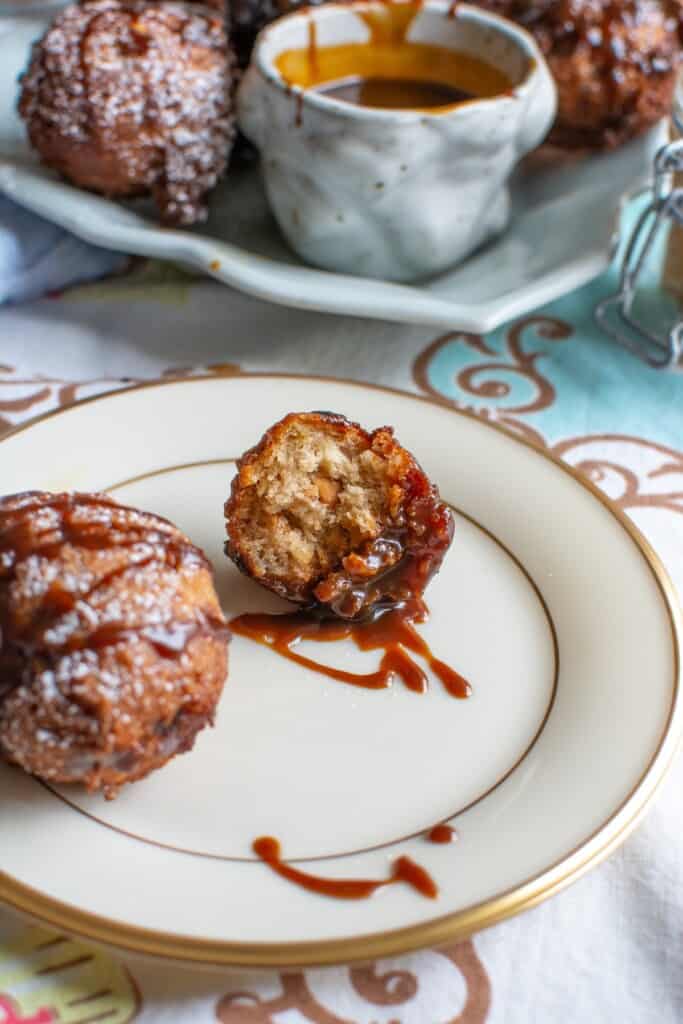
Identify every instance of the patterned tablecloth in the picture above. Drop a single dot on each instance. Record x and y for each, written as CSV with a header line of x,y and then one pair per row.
x,y
610,948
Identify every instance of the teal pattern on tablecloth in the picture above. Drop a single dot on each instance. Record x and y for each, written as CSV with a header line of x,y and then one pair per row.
x,y
559,374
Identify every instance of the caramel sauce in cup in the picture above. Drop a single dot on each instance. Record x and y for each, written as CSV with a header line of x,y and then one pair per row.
x,y
388,131
389,72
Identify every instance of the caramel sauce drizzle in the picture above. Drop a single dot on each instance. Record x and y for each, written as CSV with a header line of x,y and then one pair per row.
x,y
313,46
404,870
19,539
442,834
389,24
392,632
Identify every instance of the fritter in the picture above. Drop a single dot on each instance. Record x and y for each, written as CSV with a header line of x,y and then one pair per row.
x,y
132,98
336,518
113,647
614,62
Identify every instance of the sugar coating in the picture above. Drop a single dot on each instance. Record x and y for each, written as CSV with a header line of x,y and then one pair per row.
x,y
127,98
113,645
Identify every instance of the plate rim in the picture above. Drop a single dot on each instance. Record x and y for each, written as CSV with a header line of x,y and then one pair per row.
x,y
453,927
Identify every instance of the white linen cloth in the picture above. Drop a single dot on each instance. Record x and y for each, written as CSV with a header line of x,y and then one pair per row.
x,y
37,257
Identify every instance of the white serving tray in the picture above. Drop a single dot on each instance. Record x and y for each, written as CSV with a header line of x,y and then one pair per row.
x,y
563,232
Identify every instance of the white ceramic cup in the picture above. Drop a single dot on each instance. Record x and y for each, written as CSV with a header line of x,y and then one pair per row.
x,y
394,194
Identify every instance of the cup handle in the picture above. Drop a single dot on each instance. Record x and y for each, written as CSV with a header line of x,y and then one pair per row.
x,y
540,112
250,102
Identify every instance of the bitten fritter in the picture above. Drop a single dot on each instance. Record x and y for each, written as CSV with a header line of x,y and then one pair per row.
x,y
614,63
113,649
335,518
131,98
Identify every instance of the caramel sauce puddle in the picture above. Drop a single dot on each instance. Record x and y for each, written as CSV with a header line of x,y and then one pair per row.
x,y
404,870
442,834
393,633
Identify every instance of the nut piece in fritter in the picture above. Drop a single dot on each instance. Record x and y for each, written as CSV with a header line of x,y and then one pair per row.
x,y
113,648
328,515
130,98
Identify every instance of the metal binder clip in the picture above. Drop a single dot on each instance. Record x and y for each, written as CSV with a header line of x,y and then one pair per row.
x,y
615,314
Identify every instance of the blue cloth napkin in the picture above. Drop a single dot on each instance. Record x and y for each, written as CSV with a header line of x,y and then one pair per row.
x,y
38,257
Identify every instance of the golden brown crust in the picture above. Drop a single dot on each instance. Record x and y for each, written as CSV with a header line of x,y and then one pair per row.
x,y
130,98
327,514
113,652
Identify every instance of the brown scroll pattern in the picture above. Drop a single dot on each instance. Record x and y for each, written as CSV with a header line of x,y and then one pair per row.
x,y
489,381
603,458
23,399
393,988
389,989
635,472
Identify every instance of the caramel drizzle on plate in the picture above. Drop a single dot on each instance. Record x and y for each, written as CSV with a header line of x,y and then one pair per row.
x,y
393,633
404,870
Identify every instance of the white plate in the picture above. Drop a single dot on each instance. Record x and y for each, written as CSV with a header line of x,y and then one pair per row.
x,y
549,602
562,235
